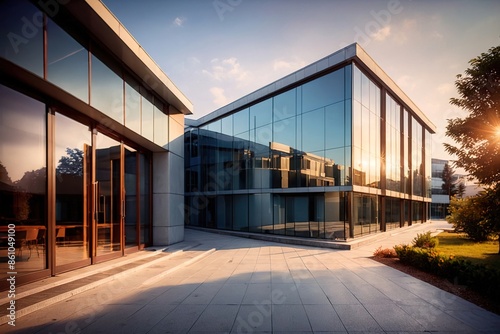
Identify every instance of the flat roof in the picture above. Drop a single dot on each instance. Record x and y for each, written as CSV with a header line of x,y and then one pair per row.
x,y
102,24
346,55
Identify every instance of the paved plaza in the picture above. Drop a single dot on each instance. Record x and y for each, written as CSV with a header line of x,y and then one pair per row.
x,y
239,285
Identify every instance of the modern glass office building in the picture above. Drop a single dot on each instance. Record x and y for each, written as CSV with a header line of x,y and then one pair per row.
x,y
335,150
90,132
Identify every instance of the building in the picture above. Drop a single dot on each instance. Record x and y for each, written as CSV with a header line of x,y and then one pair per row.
x,y
90,132
335,150
440,197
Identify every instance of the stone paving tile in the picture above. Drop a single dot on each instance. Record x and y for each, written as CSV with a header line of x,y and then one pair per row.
x,y
230,294
285,293
252,319
203,294
434,319
312,294
216,318
338,294
290,318
257,293
180,320
323,318
392,318
357,319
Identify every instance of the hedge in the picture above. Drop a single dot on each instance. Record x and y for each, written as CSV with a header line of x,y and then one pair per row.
x,y
478,277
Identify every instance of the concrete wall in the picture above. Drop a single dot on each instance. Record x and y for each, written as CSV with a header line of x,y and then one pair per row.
x,y
168,187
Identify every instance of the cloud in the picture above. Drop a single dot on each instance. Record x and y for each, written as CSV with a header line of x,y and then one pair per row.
x,y
226,69
436,35
219,98
382,33
407,28
445,88
288,65
179,21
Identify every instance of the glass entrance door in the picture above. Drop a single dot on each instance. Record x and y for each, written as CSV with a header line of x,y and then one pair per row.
x,y
108,196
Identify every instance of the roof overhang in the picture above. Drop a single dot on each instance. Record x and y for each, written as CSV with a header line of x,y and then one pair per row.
x,y
104,26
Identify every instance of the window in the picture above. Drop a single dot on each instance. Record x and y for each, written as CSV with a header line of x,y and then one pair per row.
x,y
21,29
67,62
106,90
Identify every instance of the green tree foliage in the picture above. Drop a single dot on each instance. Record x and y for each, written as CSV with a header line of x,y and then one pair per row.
x,y
466,215
72,163
478,139
449,186
478,134
4,175
460,189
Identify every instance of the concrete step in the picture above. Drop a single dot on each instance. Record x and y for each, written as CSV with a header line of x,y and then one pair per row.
x,y
163,263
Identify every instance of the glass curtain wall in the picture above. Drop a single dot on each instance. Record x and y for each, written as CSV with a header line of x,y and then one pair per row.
x,y
298,138
366,131
23,181
21,29
73,175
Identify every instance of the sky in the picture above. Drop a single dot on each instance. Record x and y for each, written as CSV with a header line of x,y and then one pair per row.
x,y
216,51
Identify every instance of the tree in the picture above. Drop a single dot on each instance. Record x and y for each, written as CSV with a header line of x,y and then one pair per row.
x,y
72,163
461,189
478,134
449,185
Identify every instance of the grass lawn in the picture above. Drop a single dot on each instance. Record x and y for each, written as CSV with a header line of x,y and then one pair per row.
x,y
477,252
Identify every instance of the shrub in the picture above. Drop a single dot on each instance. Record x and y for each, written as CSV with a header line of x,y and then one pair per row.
x,y
386,252
425,240
466,215
478,277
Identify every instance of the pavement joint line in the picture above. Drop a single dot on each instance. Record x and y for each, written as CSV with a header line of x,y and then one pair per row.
x,y
156,278
82,275
52,300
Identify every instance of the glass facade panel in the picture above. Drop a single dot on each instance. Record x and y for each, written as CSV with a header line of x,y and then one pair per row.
x,y
67,62
392,213
323,91
335,126
131,198
145,198
147,123
109,206
23,176
335,216
241,122
21,29
240,214
106,90
73,175
261,114
313,131
132,106
284,132
285,105
227,125
365,214
160,127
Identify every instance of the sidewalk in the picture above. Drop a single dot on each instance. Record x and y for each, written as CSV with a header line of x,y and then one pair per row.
x,y
225,284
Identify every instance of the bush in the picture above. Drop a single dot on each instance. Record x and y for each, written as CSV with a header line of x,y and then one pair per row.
x,y
425,240
478,277
386,252
466,215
